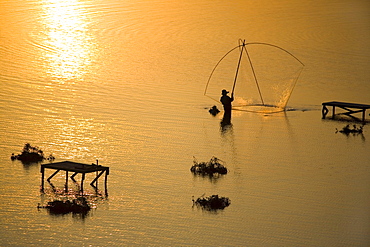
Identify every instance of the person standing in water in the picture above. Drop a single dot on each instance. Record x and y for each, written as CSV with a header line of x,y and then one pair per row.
x,y
226,102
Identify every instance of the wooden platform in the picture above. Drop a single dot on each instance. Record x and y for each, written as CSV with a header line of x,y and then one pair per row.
x,y
350,108
76,168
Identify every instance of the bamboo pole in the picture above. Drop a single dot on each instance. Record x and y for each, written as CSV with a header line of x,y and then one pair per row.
x,y
237,68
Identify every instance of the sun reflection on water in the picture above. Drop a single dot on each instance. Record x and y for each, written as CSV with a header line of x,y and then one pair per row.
x,y
68,41
76,137
68,50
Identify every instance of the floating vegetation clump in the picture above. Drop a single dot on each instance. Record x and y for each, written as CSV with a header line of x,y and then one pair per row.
x,y
212,202
214,110
347,130
76,206
31,154
211,167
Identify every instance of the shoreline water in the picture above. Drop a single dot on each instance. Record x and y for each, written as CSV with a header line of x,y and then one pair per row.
x,y
132,97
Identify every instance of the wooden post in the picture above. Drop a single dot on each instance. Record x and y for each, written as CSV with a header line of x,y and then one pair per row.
x,y
333,111
363,115
96,174
66,186
42,178
105,182
82,183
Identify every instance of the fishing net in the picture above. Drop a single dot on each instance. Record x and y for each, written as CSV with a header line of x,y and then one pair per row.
x,y
262,75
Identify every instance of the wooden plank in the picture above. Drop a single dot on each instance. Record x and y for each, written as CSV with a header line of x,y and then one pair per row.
x,y
74,167
345,106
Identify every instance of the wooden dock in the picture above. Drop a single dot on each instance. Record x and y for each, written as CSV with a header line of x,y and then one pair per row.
x,y
350,108
76,168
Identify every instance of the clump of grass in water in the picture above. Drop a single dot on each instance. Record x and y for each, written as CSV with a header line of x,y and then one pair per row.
x,y
31,154
212,202
76,206
213,166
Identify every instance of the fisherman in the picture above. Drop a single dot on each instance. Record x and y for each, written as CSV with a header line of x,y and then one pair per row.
x,y
226,102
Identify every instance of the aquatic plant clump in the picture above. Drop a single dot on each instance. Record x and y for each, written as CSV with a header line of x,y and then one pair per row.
x,y
213,202
214,110
76,206
31,154
213,166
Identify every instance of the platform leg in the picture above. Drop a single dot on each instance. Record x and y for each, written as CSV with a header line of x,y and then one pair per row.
x,y
42,178
105,183
333,111
324,111
52,175
82,183
363,115
73,176
96,184
66,185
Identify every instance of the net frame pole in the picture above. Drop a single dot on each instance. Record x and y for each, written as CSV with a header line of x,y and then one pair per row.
x,y
237,68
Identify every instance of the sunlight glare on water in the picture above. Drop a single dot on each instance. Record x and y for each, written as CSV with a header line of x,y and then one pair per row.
x,y
123,82
68,43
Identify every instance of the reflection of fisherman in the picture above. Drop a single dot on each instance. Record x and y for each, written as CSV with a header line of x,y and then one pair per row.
x,y
226,102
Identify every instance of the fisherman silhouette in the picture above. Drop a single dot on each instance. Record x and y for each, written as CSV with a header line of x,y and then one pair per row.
x,y
226,102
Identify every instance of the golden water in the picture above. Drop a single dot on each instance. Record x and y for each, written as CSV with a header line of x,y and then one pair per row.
x,y
123,82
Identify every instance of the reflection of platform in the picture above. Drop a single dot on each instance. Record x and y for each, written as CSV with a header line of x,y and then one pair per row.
x,y
345,106
70,166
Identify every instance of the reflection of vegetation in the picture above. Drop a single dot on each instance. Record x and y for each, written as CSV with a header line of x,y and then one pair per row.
x,y
213,202
59,203
31,154
75,206
347,130
211,167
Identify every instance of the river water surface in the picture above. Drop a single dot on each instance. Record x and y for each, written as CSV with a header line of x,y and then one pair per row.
x,y
123,82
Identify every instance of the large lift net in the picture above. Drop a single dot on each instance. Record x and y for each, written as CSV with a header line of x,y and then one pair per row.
x,y
262,77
